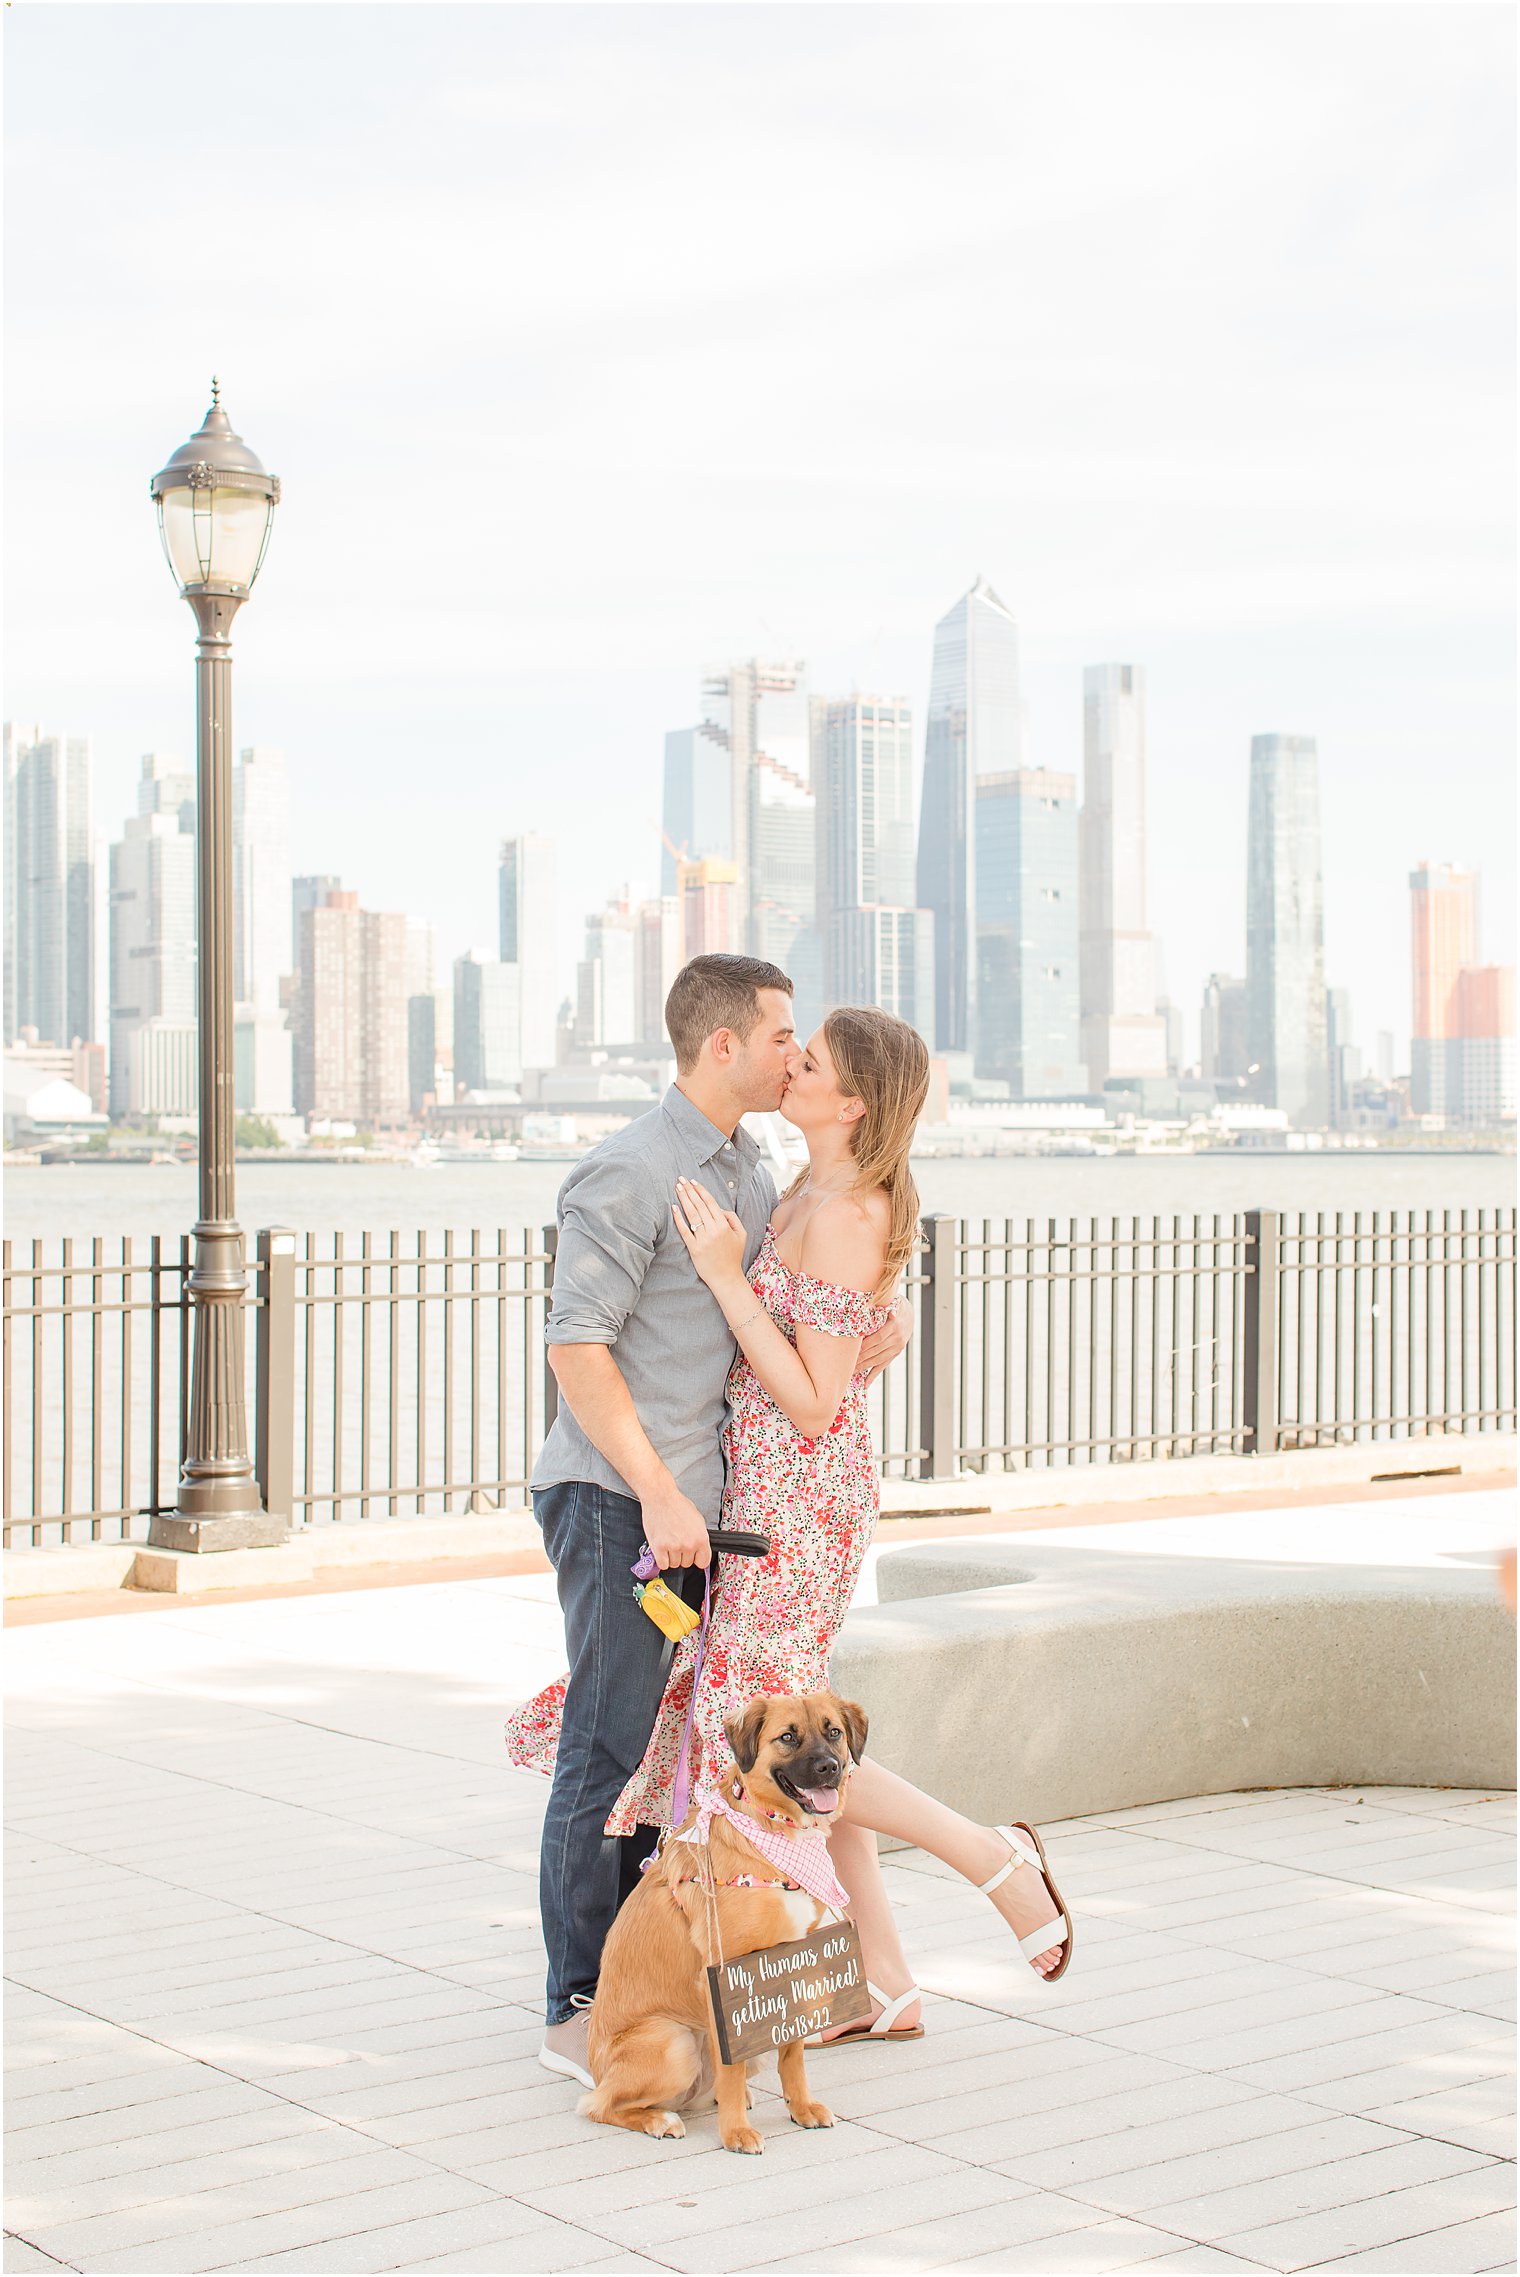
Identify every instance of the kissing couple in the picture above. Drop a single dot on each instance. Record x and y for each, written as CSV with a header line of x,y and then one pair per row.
x,y
713,1345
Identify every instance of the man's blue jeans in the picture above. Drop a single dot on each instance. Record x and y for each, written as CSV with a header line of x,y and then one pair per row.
x,y
618,1665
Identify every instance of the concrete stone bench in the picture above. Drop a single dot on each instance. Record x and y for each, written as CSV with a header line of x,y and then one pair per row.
x,y
1060,1681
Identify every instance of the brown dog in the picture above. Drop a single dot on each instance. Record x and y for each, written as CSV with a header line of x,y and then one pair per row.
x,y
652,2022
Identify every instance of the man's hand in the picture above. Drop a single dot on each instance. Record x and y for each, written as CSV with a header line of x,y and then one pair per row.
x,y
880,1350
675,1529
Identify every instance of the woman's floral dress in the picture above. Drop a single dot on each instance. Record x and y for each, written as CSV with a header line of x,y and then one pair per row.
x,y
774,1619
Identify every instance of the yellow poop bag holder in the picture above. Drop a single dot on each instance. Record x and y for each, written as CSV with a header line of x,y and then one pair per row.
x,y
671,1615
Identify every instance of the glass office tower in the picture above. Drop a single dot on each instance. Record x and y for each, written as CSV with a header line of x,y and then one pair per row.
x,y
1285,931
973,729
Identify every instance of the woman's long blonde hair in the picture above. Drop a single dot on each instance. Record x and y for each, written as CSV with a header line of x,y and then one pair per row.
x,y
880,1060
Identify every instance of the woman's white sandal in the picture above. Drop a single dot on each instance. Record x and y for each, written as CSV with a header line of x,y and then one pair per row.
x,y
882,2027
1052,1933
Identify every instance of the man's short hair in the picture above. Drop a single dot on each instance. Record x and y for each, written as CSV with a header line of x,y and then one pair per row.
x,y
718,991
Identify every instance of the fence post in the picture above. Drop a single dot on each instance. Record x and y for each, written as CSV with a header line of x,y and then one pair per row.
x,y
1259,1406
274,1450
936,1348
551,1387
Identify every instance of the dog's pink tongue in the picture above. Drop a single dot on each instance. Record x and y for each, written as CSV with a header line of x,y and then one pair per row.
x,y
822,1799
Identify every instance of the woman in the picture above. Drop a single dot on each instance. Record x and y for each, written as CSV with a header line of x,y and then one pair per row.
x,y
802,1471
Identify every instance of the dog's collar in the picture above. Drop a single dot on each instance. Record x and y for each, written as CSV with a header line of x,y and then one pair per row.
x,y
777,1818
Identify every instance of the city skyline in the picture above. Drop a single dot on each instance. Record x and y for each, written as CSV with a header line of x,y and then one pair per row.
x,y
1279,497
374,1035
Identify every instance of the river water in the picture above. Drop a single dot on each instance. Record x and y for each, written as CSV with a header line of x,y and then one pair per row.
x,y
86,1199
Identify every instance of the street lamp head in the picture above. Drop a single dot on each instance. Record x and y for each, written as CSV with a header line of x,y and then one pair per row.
x,y
215,507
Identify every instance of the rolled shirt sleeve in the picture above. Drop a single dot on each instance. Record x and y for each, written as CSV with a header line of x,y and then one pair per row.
x,y
607,1235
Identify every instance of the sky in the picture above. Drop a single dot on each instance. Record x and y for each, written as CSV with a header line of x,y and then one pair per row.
x,y
597,345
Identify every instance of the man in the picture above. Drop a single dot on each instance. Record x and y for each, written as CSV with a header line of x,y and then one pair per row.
x,y
641,1355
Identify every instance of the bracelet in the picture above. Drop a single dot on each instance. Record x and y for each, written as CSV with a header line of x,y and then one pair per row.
x,y
735,1326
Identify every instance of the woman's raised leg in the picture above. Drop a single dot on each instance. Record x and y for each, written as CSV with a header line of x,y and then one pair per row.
x,y
885,1804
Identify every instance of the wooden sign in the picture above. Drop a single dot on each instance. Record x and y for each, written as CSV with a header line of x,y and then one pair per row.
x,y
783,1992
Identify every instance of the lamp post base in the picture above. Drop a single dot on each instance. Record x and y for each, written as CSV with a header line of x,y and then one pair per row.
x,y
243,1530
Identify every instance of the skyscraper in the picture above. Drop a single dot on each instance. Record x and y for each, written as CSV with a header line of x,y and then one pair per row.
x,y
1028,998
606,1006
1443,938
783,843
1345,1061
863,775
697,817
51,898
973,729
309,892
1122,1033
261,896
887,954
708,892
152,963
527,940
351,1013
1286,1029
487,1023
1480,1053
751,710
1222,1030
657,958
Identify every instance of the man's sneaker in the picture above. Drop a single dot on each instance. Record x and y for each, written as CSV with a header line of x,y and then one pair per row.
x,y
555,2059
566,2066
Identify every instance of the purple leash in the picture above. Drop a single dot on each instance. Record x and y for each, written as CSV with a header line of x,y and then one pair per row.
x,y
648,1569
680,1793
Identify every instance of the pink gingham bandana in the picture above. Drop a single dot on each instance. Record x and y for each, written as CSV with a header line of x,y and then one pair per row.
x,y
803,1858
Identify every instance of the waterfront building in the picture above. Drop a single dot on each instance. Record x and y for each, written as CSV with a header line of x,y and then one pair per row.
x,y
427,1081
698,803
1480,1051
974,728
1345,1061
887,956
863,779
784,842
606,1007
1285,931
1222,1055
52,888
1122,1033
709,896
1028,995
261,940
487,1024
527,939
152,947
1443,940
351,1029
657,958
750,711
307,893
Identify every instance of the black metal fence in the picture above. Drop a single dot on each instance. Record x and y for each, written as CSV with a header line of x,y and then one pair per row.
x,y
407,1376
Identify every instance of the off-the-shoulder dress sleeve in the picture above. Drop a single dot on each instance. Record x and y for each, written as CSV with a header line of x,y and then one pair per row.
x,y
836,1311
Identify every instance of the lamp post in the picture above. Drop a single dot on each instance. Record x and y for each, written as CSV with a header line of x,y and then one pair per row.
x,y
215,507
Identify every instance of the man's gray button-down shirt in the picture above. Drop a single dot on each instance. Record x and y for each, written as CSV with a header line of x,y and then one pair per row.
x,y
623,1278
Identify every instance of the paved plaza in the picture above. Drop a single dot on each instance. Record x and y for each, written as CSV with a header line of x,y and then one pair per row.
x,y
275,1969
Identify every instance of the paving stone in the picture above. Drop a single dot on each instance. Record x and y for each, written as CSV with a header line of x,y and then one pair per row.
x,y
400,2245
1219,2216
1396,2217
19,2255
1466,2246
